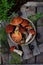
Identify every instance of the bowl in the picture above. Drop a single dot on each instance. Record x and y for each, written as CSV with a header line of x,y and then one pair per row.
x,y
32,37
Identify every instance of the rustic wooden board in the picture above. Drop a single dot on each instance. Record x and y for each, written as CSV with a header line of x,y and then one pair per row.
x,y
26,50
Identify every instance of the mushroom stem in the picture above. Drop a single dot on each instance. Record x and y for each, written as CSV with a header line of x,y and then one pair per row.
x,y
29,37
17,28
18,52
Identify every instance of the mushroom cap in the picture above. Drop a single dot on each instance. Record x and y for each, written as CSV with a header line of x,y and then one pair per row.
x,y
28,27
32,32
12,48
21,29
16,21
9,28
16,37
25,22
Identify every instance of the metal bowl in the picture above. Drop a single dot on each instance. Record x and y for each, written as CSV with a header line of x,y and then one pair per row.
x,y
30,40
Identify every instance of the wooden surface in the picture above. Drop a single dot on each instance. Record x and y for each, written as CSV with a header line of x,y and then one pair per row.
x,y
31,60
35,4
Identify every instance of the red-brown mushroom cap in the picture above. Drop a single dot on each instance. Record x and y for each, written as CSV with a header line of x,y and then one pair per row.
x,y
12,48
28,27
32,32
9,28
25,22
22,29
16,21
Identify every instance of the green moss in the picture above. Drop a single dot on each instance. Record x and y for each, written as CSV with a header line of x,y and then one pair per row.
x,y
5,6
3,35
35,17
16,59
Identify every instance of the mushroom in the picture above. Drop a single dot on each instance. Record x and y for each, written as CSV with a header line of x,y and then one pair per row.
x,y
31,33
25,22
17,28
16,21
12,49
9,28
16,36
21,29
28,27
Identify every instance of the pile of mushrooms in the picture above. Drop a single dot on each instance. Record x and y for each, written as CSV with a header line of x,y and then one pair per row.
x,y
19,26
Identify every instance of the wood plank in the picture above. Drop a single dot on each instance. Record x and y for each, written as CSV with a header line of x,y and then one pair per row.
x,y
35,4
40,59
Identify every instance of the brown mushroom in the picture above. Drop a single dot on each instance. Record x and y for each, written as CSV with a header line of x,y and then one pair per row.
x,y
16,36
25,22
16,21
32,32
28,27
21,29
12,48
9,28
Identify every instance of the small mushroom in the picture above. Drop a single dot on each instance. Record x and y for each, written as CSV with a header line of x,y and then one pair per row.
x,y
31,32
12,49
28,27
16,21
24,23
21,29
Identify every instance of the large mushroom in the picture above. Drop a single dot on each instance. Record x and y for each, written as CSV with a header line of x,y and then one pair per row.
x,y
9,28
16,21
16,36
24,23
